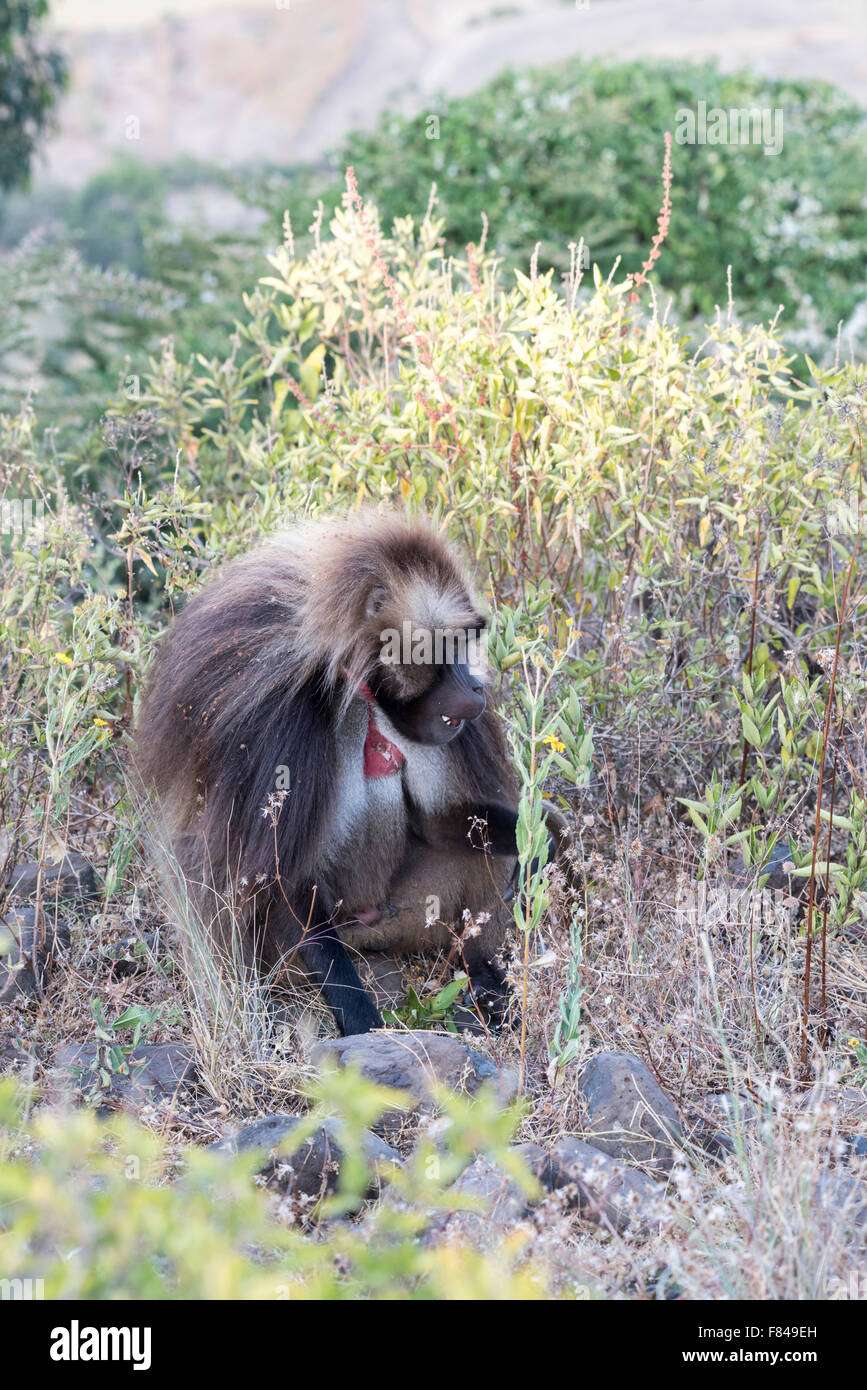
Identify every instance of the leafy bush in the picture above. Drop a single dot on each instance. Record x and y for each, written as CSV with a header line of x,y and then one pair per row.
x,y
104,1211
547,157
619,488
31,76
93,281
571,152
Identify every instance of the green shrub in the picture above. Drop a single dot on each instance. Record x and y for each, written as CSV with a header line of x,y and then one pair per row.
x,y
668,534
105,1211
562,153
32,75
92,282
618,487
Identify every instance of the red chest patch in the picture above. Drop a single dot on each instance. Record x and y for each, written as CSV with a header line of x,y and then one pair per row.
x,y
381,756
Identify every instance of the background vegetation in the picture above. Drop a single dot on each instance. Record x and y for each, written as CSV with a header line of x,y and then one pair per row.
x,y
549,158
666,504
671,532
31,75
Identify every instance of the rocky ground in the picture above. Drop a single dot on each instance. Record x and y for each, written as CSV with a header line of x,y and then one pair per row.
x,y
633,1162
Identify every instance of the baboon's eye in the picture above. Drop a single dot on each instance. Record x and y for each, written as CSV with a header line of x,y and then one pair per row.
x,y
375,600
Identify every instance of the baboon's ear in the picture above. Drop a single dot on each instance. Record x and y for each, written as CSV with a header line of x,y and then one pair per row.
x,y
375,600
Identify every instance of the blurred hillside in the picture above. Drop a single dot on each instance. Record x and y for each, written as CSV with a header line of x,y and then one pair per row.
x,y
285,80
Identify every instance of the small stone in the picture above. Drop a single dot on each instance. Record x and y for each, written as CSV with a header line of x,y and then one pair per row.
x,y
383,976
603,1190
846,1198
717,1118
502,1203
133,954
847,1102
414,1061
28,952
726,1109
72,879
17,1053
312,1170
629,1116
772,871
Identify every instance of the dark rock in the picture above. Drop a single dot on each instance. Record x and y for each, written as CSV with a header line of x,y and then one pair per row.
x,y
383,976
857,1146
594,1185
602,1190
716,1120
467,1020
133,954
727,1110
847,1104
73,879
629,1116
17,1052
414,1061
537,1161
501,1202
770,875
27,951
312,1169
845,1198
156,1071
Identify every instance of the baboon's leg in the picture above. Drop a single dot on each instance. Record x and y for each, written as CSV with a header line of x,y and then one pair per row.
x,y
329,962
424,914
324,958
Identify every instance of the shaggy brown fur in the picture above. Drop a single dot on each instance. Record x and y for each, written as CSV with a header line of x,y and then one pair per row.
x,y
261,672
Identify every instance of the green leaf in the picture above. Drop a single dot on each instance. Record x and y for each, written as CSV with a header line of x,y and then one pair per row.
x,y
751,733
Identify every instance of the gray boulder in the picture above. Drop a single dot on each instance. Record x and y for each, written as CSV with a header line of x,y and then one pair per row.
x,y
498,1201
846,1199
628,1115
717,1118
415,1062
156,1071
72,879
602,1190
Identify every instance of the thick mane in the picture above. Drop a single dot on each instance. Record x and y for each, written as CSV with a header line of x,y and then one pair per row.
x,y
256,736
372,565
280,639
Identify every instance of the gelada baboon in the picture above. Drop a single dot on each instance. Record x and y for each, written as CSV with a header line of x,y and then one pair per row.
x,y
328,787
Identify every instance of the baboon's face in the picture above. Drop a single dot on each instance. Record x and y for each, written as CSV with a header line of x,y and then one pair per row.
x,y
454,695
427,639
